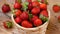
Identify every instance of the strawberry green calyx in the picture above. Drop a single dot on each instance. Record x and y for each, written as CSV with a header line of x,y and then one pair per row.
x,y
30,16
9,24
18,1
39,0
43,18
25,6
45,1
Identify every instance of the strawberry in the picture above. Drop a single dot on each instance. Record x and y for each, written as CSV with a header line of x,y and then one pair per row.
x,y
26,24
7,24
44,16
29,6
18,20
24,15
18,12
35,10
34,18
56,8
44,13
35,3
29,1
37,22
5,8
43,6
59,18
17,5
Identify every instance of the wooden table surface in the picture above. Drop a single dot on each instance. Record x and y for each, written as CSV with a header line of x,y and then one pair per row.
x,y
53,27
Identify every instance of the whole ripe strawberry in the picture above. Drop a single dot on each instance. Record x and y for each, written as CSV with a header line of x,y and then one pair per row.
x,y
34,18
18,20
43,15
35,11
26,24
24,15
59,18
18,12
37,22
5,8
56,8
17,5
7,24
43,6
30,6
35,3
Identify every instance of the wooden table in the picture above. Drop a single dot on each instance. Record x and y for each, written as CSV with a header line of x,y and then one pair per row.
x,y
53,27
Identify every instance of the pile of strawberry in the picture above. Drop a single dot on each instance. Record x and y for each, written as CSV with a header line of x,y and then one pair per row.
x,y
30,14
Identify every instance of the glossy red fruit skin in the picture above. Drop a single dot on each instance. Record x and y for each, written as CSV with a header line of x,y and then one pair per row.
x,y
56,8
44,13
29,1
35,3
37,22
34,18
17,5
30,6
24,16
18,12
43,6
18,20
26,24
35,11
5,8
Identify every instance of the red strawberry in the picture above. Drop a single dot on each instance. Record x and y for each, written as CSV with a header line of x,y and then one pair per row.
x,y
17,5
37,22
29,1
35,3
43,6
18,20
35,10
5,8
34,18
56,8
44,13
7,24
24,16
30,6
18,12
26,24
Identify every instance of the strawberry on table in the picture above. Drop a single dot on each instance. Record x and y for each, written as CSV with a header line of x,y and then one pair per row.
x,y
7,24
17,5
35,11
18,20
43,6
43,15
37,22
56,8
26,24
5,8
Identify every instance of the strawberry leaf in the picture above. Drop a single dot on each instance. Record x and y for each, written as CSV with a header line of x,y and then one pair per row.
x,y
9,24
25,6
43,18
